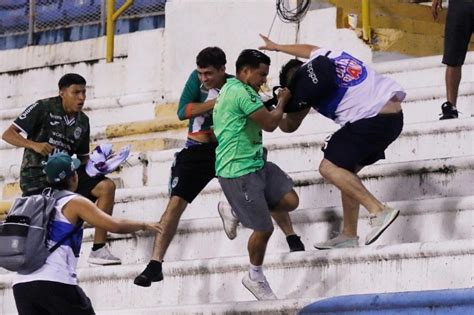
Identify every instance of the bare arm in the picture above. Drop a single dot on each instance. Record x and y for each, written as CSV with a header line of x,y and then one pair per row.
x,y
13,137
435,6
269,120
297,50
291,121
196,109
80,207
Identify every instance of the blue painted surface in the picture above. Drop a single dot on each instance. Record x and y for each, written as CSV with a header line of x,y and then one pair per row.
x,y
14,18
449,302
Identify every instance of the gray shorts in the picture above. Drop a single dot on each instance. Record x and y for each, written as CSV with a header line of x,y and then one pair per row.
x,y
253,195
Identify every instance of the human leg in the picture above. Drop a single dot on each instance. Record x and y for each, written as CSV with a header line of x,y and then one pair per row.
x,y
350,148
100,190
169,220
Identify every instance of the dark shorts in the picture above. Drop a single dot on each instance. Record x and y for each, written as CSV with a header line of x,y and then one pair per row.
x,y
193,168
458,30
362,142
252,196
53,298
87,183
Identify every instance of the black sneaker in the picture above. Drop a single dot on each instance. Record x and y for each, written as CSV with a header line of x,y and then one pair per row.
x,y
448,111
295,244
152,273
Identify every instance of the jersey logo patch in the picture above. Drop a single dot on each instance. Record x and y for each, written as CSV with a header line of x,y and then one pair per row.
x,y
350,71
77,133
174,182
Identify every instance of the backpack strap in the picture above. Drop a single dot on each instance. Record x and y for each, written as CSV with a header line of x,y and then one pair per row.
x,y
59,194
68,235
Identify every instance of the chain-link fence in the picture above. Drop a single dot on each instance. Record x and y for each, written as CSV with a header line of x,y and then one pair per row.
x,y
30,17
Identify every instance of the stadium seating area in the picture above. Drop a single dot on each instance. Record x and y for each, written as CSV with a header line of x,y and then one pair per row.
x,y
427,175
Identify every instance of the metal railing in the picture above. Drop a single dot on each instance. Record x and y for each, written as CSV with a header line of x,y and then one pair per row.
x,y
29,17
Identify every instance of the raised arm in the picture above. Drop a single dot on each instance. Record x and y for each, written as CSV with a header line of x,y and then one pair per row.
x,y
297,50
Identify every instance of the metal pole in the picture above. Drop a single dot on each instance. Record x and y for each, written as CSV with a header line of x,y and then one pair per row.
x,y
31,22
366,35
109,57
102,17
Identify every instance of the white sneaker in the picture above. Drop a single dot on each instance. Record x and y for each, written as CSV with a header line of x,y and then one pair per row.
x,y
380,222
103,256
229,221
260,289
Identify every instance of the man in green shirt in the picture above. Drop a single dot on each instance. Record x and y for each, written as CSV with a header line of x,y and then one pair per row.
x,y
59,124
194,166
255,188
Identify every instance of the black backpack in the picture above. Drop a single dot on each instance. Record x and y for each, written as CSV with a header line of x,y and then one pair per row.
x,y
24,233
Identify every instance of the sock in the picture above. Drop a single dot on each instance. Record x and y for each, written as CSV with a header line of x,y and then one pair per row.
x,y
256,273
97,246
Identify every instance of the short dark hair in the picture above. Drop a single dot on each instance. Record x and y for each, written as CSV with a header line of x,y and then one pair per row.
x,y
69,79
289,68
211,56
251,58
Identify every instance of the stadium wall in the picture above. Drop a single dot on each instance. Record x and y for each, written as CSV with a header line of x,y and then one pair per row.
x,y
159,61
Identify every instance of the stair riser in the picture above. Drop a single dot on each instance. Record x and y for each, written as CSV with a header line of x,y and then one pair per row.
x,y
408,228
386,188
309,278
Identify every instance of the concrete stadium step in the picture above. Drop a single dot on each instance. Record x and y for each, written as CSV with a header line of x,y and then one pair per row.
x,y
312,274
389,182
411,73
301,152
425,220
276,307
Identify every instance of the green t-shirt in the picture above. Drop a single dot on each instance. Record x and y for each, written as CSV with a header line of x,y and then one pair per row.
x,y
240,149
46,121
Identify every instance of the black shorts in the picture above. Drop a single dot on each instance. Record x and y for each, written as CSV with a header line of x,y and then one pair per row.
x,y
48,297
87,183
458,30
362,142
193,168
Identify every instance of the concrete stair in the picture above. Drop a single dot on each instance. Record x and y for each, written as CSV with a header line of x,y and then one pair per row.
x,y
312,273
426,175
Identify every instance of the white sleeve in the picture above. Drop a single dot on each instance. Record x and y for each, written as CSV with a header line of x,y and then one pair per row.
x,y
212,94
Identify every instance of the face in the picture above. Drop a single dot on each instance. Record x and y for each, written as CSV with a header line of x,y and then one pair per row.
x,y
73,98
255,77
211,77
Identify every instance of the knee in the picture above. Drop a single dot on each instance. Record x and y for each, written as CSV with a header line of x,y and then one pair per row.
x,y
293,201
324,168
106,187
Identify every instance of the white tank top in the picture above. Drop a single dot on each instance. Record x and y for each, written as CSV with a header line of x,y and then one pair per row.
x,y
61,265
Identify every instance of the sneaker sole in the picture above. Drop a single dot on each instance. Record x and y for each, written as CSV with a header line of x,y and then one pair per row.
x,y
103,262
258,299
147,284
333,247
384,227
219,209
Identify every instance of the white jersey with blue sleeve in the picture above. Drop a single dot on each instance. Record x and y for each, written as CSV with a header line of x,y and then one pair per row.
x,y
361,91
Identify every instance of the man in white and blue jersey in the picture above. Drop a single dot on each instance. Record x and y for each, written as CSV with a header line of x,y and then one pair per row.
x,y
366,105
